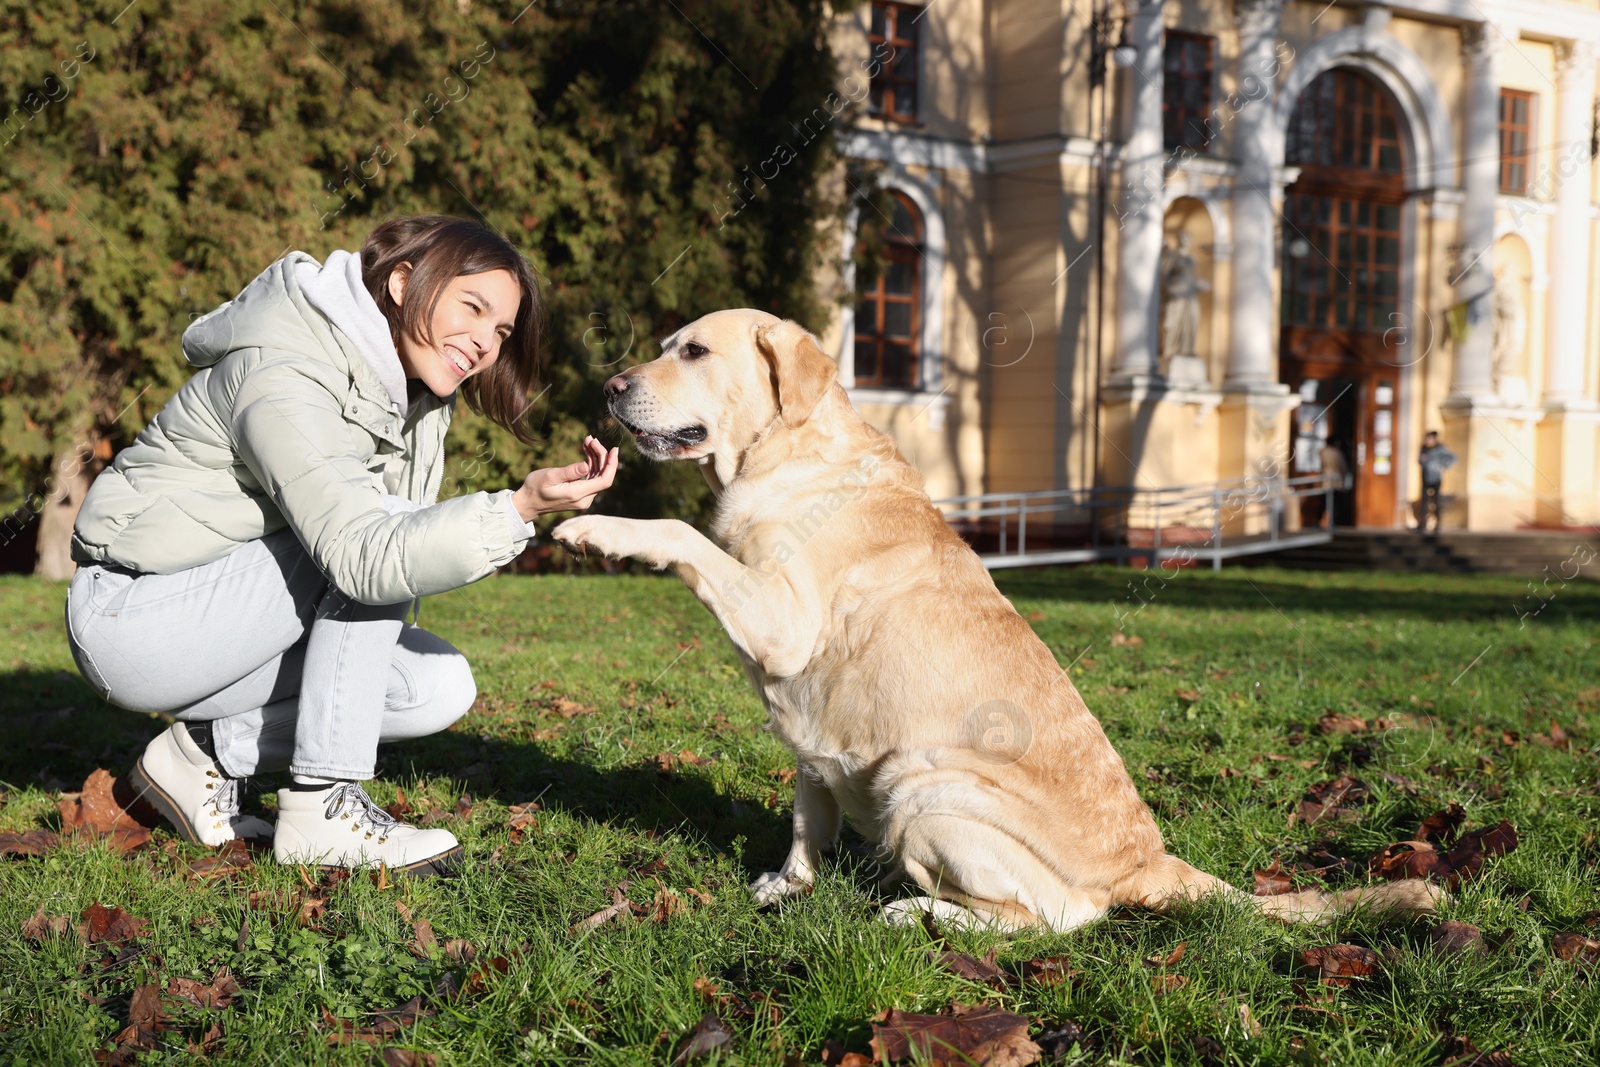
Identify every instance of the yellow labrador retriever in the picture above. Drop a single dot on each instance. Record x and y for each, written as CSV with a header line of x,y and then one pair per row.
x,y
916,699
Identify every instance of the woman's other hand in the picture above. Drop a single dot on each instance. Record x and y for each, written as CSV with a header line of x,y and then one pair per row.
x,y
569,488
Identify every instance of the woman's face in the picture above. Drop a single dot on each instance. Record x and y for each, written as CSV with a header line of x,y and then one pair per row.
x,y
474,315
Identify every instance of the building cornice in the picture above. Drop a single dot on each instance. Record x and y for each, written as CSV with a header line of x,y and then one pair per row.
x,y
914,149
951,153
1548,20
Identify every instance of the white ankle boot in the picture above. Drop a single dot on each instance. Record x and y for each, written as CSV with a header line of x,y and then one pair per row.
x,y
192,791
341,827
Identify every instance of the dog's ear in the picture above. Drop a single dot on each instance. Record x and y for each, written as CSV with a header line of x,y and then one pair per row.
x,y
801,370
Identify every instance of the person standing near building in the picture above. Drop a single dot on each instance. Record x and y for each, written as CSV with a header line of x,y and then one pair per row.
x,y
1434,459
1335,476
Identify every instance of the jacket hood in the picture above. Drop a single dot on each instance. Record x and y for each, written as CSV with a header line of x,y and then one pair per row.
x,y
275,311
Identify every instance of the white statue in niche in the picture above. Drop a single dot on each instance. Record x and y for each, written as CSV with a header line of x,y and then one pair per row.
x,y
1510,338
1181,286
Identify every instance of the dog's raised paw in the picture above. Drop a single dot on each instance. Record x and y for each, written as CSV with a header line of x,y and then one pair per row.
x,y
600,534
775,885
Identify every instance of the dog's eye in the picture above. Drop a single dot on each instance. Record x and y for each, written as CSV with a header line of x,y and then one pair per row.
x,y
694,350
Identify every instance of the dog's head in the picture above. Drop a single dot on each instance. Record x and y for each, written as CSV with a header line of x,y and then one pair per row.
x,y
720,382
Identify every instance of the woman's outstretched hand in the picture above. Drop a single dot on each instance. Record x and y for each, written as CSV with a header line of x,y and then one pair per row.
x,y
569,488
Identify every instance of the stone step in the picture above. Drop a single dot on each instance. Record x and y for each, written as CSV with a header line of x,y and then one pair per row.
x,y
1532,553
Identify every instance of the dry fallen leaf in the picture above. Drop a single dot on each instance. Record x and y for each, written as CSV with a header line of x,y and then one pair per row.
x,y
1558,736
110,926
1273,881
221,992
982,1035
1335,723
459,950
1338,964
405,1057
1126,640
971,967
210,1042
1419,859
1048,970
1575,947
424,943
41,926
1326,801
232,857
401,806
709,1034
145,1021
522,821
1459,1051
618,906
484,973
1169,959
28,842
385,1022
567,708
1168,983
1440,827
666,904
107,808
1456,937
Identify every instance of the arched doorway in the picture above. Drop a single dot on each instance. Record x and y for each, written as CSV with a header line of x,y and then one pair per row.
x,y
1342,323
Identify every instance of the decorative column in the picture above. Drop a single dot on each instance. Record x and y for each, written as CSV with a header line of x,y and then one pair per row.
x,y
1492,480
1569,238
1566,485
1481,44
1252,421
1250,354
1139,218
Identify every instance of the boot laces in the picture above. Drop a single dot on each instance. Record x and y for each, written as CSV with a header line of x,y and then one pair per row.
x,y
227,797
349,799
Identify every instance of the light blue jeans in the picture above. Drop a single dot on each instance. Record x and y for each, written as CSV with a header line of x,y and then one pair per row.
x,y
290,672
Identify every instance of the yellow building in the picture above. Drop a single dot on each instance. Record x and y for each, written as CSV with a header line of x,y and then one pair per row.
x,y
1353,222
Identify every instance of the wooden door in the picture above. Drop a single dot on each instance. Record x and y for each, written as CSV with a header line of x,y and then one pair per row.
x,y
1341,261
1375,460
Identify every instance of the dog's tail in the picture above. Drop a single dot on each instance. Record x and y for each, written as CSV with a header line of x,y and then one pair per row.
x,y
1169,881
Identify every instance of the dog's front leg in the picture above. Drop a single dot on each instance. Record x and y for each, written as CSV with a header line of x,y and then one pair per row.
x,y
770,614
816,826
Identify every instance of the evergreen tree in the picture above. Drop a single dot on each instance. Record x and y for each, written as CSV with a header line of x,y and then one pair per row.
x,y
655,160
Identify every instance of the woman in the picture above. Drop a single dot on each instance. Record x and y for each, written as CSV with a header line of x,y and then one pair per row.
x,y
249,560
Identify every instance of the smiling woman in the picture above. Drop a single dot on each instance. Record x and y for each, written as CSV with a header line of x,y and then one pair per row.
x,y
250,558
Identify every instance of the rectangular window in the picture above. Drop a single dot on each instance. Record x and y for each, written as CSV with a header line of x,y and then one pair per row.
x,y
1516,141
1186,90
1343,260
894,43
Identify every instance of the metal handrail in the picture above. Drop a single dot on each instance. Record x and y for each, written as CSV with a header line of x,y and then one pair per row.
x,y
1210,507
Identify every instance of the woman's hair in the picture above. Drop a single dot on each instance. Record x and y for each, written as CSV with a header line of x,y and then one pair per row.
x,y
434,250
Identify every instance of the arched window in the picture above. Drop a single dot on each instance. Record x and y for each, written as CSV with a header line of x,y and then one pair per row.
x,y
1344,119
1342,217
888,321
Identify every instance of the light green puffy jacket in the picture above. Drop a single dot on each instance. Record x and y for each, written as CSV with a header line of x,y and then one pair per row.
x,y
286,424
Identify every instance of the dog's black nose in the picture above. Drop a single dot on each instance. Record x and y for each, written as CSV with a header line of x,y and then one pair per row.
x,y
616,386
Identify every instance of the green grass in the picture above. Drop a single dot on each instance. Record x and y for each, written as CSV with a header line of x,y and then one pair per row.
x,y
1260,655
